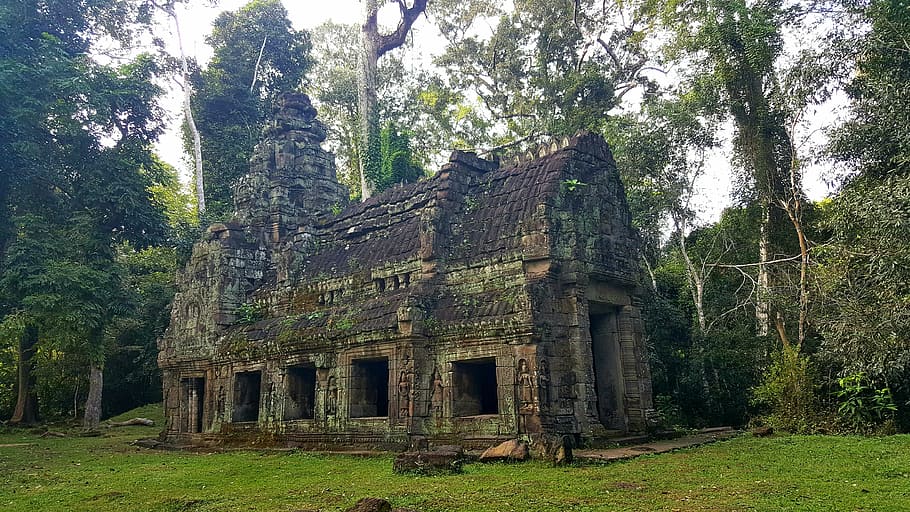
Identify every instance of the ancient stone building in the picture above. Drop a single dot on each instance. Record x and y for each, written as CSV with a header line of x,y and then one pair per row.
x,y
489,301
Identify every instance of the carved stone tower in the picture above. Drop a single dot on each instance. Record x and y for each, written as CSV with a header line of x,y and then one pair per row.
x,y
292,179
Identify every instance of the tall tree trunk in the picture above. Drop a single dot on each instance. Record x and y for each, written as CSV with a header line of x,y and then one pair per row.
x,y
803,279
93,402
188,113
26,412
763,298
651,276
794,208
374,46
696,282
369,107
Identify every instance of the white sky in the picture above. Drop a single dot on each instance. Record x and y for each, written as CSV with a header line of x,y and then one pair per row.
x,y
714,187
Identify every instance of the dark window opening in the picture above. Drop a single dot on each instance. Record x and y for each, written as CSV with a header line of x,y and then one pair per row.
x,y
476,391
247,387
192,393
301,393
380,285
369,389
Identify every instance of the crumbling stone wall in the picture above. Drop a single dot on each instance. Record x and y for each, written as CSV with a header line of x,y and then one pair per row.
x,y
486,302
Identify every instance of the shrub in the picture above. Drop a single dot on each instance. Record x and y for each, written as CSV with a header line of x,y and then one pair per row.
x,y
863,408
788,393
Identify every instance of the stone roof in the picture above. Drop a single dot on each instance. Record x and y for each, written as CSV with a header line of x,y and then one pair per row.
x,y
472,213
383,229
486,212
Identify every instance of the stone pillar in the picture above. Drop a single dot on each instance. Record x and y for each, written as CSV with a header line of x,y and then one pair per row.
x,y
635,369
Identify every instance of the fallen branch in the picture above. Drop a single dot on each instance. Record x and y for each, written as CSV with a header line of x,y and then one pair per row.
x,y
145,422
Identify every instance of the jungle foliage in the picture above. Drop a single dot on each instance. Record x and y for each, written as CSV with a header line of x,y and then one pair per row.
x,y
781,311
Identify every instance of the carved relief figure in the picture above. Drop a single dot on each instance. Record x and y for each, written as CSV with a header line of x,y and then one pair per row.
x,y
404,395
436,396
525,388
331,402
543,383
219,406
412,395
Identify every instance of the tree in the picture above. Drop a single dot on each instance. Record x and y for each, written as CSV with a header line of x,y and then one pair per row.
x,y
418,100
861,280
257,56
705,375
147,287
739,44
548,67
375,45
169,8
659,153
78,134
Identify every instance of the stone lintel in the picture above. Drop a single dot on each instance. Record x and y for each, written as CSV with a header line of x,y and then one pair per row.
x,y
598,291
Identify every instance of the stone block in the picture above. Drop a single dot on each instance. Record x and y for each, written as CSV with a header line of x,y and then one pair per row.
x,y
512,450
371,505
428,463
554,448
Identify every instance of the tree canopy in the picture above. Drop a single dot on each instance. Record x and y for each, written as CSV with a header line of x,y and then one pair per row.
x,y
781,310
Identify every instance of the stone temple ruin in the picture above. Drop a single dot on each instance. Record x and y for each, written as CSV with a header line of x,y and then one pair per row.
x,y
488,302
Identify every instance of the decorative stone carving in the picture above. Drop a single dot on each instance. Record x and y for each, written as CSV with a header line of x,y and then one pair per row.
x,y
543,383
331,402
525,388
437,396
480,288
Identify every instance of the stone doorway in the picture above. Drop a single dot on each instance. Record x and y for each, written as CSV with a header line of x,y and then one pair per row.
x,y
192,392
475,388
607,359
369,390
301,393
247,390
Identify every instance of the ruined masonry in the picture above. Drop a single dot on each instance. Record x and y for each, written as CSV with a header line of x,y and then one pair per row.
x,y
485,303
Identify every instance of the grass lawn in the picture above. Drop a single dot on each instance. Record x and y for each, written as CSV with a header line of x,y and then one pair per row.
x,y
746,473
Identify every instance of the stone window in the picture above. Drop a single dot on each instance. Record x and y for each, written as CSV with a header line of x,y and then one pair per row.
x,y
369,390
475,388
301,393
192,394
247,386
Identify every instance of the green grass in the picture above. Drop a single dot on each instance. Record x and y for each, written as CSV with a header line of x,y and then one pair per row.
x,y
783,473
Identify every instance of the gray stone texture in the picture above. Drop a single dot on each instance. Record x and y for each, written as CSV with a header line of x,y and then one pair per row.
x,y
489,302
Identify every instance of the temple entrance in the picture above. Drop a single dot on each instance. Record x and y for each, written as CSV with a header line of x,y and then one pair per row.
x,y
607,359
247,388
475,388
301,397
192,398
369,390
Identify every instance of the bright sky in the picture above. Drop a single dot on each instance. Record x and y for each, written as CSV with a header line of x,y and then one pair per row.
x,y
713,188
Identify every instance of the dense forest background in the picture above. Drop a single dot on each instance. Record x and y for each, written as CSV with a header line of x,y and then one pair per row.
x,y
784,311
